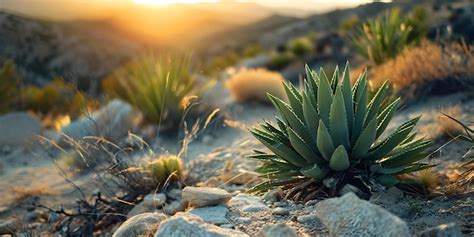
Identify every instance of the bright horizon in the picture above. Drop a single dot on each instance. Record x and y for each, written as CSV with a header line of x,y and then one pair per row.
x,y
73,9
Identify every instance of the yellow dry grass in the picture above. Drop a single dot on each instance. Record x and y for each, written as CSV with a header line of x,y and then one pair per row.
x,y
254,84
23,193
417,66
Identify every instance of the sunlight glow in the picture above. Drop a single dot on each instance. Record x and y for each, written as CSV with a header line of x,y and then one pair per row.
x,y
170,2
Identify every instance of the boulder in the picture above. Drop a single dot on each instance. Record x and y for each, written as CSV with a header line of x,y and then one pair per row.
x,y
175,206
351,216
279,230
18,129
444,230
141,224
213,214
204,196
187,224
111,122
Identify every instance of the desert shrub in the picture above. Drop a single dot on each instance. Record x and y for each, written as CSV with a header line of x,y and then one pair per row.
x,y
300,46
252,51
57,97
9,82
280,60
329,135
221,62
429,69
254,84
385,37
156,85
349,24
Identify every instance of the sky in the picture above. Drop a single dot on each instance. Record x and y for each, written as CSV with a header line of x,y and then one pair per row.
x,y
70,9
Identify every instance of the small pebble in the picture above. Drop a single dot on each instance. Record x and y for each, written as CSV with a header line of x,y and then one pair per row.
x,y
243,220
280,211
306,218
280,204
311,202
254,208
229,226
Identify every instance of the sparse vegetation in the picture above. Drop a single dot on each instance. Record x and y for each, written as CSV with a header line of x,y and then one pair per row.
x,y
9,82
280,60
58,98
300,46
313,148
254,84
349,24
429,69
385,37
156,85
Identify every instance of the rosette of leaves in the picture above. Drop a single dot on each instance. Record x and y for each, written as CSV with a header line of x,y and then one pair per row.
x,y
330,134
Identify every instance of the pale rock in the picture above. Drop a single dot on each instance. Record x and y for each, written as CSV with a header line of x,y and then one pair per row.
x,y
141,224
175,206
245,201
174,193
152,201
281,211
351,216
304,219
213,214
274,195
111,122
279,230
18,129
202,196
185,224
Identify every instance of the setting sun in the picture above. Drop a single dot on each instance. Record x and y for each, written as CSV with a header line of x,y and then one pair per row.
x,y
169,2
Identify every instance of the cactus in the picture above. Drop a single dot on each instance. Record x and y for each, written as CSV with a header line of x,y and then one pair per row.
x,y
329,134
165,168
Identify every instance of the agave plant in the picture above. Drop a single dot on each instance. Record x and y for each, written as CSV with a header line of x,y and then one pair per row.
x,y
330,134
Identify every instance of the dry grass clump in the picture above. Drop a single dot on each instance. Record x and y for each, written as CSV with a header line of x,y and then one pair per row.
x,y
23,193
429,69
254,84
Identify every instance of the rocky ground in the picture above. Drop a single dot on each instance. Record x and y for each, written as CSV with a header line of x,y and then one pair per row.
x,y
217,205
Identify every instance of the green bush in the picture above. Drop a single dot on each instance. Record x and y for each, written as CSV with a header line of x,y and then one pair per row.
x,y
349,24
329,135
300,46
9,82
279,61
156,85
384,38
252,51
57,97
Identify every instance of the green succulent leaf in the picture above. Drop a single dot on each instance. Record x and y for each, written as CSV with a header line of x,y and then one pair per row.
x,y
337,120
311,116
388,180
386,116
324,142
339,159
347,94
365,140
376,102
303,148
360,98
324,98
314,172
